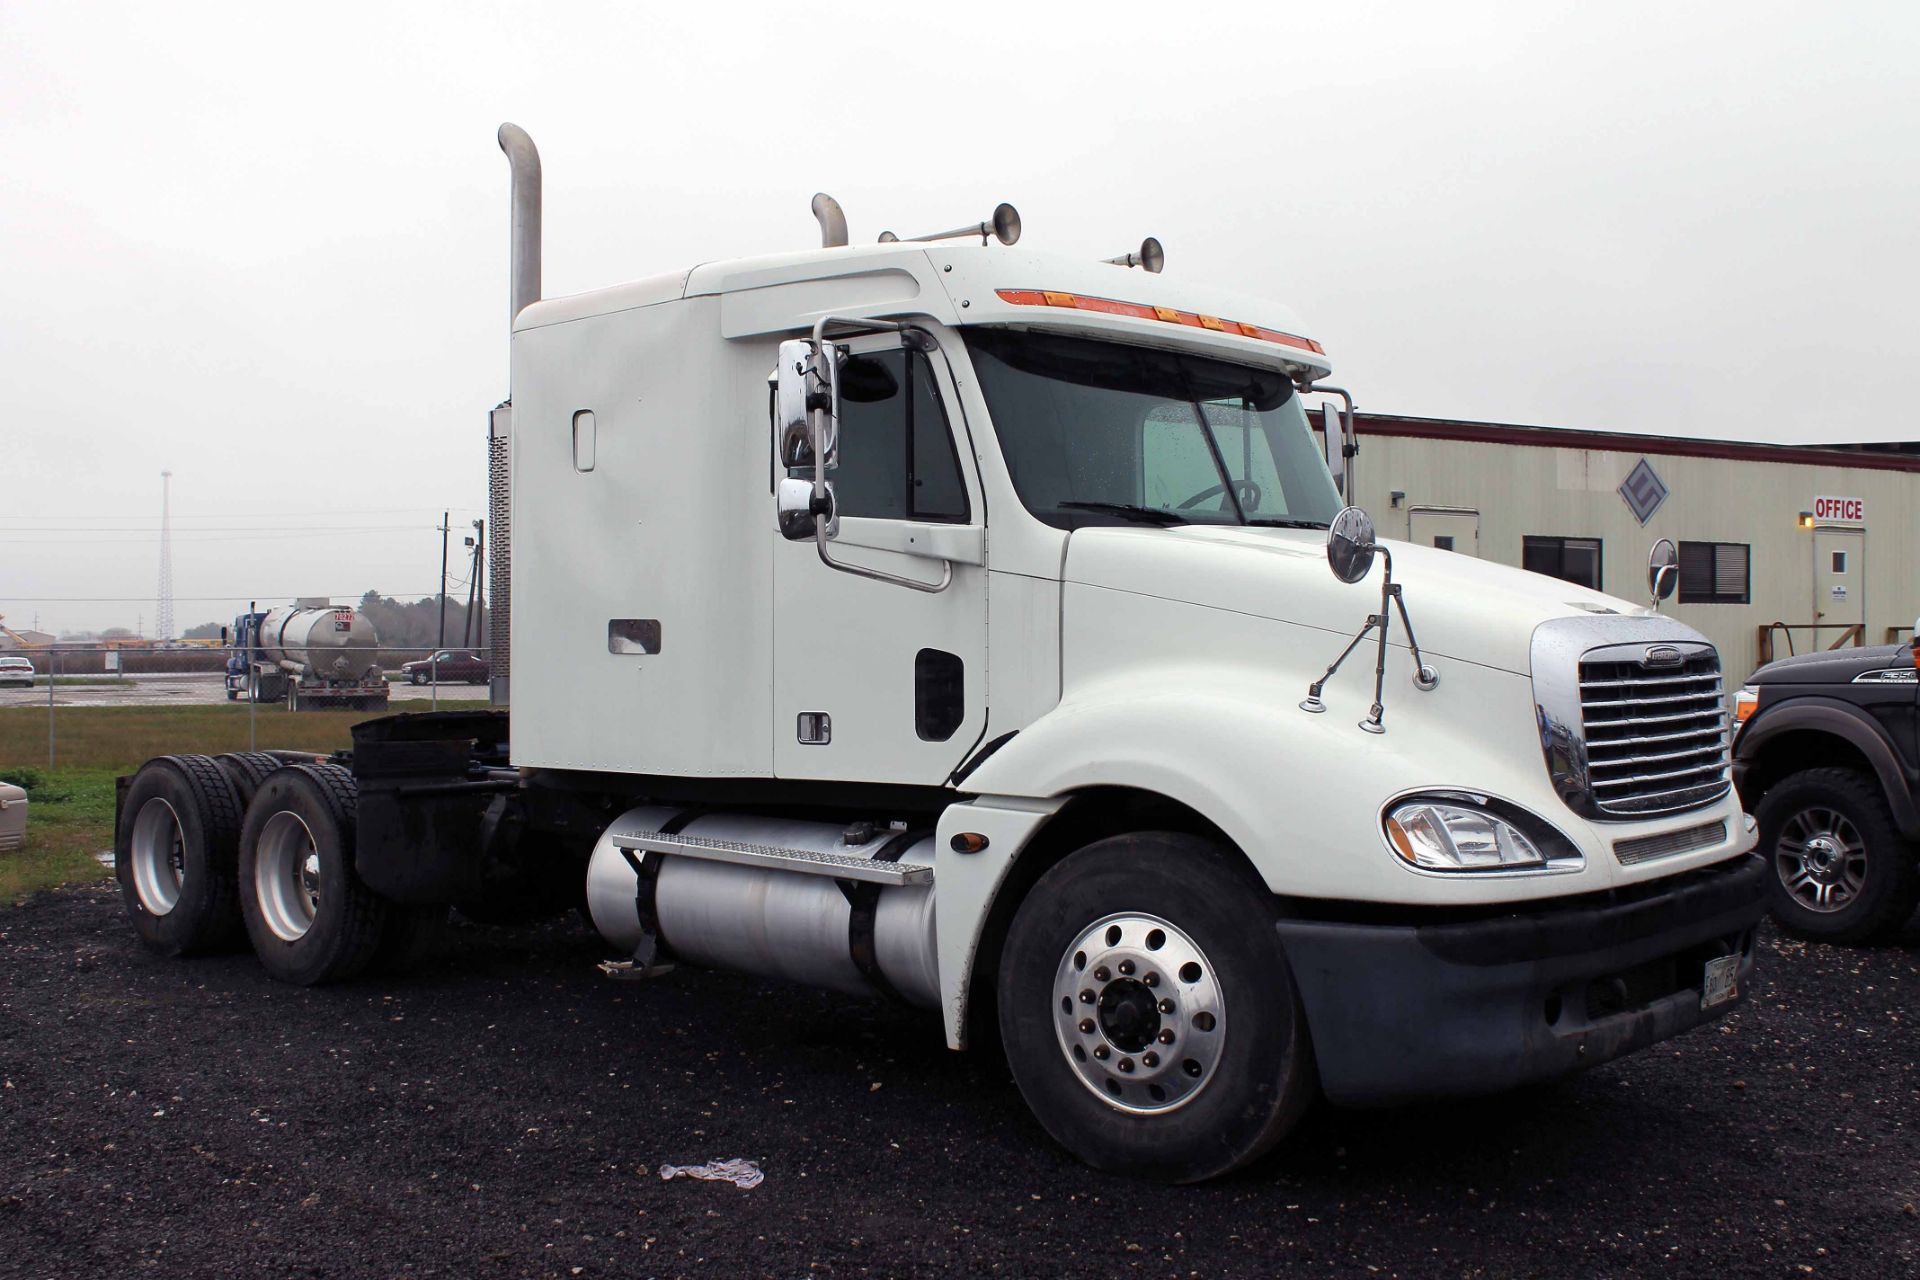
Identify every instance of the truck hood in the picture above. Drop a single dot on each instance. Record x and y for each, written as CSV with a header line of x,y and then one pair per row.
x,y
1835,666
1463,608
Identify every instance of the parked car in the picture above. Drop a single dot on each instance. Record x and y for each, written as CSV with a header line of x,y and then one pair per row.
x,y
15,670
1827,758
449,666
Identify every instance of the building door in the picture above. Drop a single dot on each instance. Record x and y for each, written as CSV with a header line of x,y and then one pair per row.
x,y
1448,528
874,681
1839,581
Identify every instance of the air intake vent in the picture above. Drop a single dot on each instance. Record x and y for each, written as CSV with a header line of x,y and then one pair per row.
x,y
1656,738
1669,844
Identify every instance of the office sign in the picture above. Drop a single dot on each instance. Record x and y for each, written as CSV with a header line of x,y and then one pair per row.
x,y
1839,511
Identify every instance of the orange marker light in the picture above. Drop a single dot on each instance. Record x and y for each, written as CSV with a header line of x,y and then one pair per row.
x,y
1167,315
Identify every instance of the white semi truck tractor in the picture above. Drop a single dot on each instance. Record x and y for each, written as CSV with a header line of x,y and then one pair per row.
x,y
982,629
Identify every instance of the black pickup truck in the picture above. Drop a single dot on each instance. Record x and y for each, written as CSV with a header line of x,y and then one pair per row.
x,y
1826,756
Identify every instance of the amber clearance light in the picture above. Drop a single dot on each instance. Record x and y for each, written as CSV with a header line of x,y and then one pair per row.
x,y
1140,311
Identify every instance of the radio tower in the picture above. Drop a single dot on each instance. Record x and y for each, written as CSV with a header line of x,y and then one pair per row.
x,y
163,621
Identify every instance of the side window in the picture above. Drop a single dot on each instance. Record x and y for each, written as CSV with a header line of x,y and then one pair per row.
x,y
897,459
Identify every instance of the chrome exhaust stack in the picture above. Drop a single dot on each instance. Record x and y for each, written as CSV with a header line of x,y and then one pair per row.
x,y
523,281
833,221
524,273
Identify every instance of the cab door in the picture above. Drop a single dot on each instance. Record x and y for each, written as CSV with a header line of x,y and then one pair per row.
x,y
874,681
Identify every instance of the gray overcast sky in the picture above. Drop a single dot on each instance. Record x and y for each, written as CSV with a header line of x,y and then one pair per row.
x,y
266,247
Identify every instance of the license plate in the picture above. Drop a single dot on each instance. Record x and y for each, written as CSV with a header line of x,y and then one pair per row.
x,y
1720,986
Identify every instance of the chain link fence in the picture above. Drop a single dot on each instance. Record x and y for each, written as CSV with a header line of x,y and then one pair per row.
x,y
111,707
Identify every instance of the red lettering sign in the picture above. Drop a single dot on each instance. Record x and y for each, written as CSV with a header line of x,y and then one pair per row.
x,y
1840,510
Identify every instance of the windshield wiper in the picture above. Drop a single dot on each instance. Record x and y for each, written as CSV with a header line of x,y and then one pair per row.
x,y
1281,522
1128,511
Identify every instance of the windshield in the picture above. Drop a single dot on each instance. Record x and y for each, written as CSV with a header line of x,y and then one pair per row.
x,y
1104,433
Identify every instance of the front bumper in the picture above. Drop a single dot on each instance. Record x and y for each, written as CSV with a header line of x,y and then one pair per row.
x,y
1466,1005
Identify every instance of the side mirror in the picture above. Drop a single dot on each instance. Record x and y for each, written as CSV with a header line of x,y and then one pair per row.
x,y
223,637
806,388
1350,545
796,513
1663,570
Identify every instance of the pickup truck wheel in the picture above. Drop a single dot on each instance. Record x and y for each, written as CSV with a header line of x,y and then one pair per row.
x,y
1842,872
176,855
1148,1011
309,915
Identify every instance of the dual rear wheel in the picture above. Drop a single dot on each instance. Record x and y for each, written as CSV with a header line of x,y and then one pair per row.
x,y
214,852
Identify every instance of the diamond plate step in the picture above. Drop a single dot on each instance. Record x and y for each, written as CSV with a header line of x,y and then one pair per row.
x,y
804,862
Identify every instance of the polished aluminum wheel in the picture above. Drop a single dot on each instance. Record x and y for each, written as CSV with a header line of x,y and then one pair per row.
x,y
1139,1013
157,850
1821,859
286,876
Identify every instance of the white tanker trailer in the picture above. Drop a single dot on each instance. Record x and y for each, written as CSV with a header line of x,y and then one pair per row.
x,y
312,653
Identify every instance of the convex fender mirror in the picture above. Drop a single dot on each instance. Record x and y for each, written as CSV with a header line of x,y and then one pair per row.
x,y
1350,545
1663,570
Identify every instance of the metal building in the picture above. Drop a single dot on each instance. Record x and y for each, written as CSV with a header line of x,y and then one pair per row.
x,y
1782,547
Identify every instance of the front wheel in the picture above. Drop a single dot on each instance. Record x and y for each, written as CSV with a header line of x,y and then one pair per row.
x,y
417,678
1841,871
1148,1011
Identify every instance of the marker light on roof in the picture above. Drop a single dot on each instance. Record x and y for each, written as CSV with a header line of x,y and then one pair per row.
x,y
1139,311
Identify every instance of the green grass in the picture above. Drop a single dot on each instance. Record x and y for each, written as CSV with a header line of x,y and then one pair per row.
x,y
70,813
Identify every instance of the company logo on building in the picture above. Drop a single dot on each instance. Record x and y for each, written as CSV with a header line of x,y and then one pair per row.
x,y
1643,491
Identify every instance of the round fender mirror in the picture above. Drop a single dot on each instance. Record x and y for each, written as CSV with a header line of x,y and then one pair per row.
x,y
1663,569
1350,545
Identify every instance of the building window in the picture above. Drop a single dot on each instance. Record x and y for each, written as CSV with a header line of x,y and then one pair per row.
x,y
1444,541
1575,560
1714,573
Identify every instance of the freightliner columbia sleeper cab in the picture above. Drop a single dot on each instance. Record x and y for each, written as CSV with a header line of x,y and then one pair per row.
x,y
952,623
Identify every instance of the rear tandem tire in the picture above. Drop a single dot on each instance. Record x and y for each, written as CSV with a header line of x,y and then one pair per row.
x,y
1169,934
246,770
310,917
176,856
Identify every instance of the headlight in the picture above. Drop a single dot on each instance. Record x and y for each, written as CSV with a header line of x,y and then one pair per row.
x,y
1467,834
1745,703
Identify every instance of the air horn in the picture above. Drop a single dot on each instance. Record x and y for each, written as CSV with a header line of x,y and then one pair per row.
x,y
1004,226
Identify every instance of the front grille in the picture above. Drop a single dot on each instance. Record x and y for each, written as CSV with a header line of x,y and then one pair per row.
x,y
1669,843
1656,737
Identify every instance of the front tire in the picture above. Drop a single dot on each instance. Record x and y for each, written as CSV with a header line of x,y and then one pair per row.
x,y
1841,870
1148,1011
176,855
310,917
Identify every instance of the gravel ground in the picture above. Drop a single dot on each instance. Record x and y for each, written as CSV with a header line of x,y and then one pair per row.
x,y
504,1113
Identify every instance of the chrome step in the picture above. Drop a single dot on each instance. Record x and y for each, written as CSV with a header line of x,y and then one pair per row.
x,y
806,862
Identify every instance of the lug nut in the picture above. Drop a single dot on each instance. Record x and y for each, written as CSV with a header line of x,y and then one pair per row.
x,y
1166,1035
1151,979
1149,1059
1086,997
1100,974
1126,1064
1086,1026
1100,1051
1126,967
1166,1006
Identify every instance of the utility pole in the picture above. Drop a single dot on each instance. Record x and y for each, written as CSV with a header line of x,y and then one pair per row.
x,y
443,579
163,623
473,586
